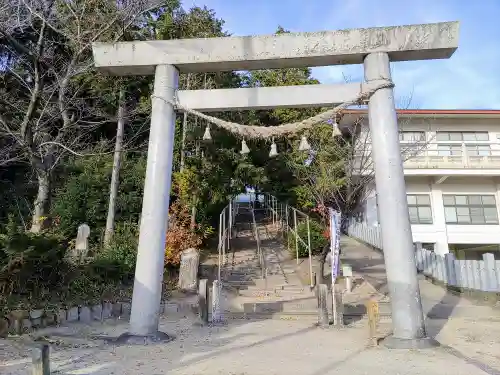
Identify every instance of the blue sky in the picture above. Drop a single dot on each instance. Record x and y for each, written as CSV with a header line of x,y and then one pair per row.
x,y
470,79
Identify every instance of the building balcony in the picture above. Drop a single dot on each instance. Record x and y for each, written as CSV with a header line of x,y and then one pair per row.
x,y
437,158
431,159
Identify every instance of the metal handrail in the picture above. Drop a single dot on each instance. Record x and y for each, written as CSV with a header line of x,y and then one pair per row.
x,y
226,223
298,237
261,258
277,209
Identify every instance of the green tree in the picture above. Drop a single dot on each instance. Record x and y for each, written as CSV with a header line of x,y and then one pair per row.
x,y
280,179
81,199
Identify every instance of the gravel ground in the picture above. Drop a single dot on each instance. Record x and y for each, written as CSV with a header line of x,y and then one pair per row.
x,y
268,347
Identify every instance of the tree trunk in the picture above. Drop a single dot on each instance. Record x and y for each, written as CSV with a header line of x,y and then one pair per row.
x,y
42,202
184,129
115,175
183,141
195,198
193,214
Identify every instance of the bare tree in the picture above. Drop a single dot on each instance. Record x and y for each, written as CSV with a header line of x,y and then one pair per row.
x,y
46,109
115,174
336,172
339,172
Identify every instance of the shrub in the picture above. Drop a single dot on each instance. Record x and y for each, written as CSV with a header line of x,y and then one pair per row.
x,y
179,235
31,264
318,240
83,197
117,261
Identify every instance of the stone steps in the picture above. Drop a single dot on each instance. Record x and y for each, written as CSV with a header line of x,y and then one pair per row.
x,y
270,294
279,295
308,315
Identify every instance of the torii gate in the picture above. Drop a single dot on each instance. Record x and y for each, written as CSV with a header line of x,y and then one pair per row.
x,y
372,47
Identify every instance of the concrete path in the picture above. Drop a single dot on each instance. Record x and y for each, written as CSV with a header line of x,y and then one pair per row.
x,y
471,330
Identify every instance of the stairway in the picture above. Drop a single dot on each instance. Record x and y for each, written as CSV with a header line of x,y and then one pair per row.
x,y
277,292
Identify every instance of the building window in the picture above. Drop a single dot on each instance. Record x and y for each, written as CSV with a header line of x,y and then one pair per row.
x,y
456,150
411,149
419,206
462,136
478,150
449,150
470,209
412,136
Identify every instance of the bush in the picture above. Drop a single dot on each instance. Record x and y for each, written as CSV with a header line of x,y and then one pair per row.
x,y
83,197
117,261
318,240
179,235
31,264
34,272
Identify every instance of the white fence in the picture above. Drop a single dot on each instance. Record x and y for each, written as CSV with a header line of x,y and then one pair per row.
x,y
483,275
369,235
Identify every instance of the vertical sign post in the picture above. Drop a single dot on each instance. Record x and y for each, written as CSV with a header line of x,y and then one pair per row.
x,y
334,243
337,304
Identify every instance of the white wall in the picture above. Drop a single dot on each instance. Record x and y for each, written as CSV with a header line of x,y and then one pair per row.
x,y
426,183
439,233
432,125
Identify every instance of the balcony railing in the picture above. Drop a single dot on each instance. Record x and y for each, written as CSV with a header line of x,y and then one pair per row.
x,y
430,157
435,159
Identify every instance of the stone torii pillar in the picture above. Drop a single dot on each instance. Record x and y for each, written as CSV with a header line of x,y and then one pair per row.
x,y
373,47
148,280
402,280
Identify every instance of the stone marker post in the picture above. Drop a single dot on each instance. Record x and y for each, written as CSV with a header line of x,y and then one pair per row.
x,y
216,302
372,310
203,296
347,274
319,280
82,243
40,360
188,273
323,305
338,307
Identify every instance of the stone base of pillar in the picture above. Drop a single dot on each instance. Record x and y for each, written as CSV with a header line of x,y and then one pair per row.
x,y
130,339
392,342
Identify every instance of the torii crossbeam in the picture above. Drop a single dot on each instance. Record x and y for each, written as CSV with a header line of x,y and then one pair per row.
x,y
373,47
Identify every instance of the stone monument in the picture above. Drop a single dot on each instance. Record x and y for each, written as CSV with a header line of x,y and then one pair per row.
x,y
82,242
188,273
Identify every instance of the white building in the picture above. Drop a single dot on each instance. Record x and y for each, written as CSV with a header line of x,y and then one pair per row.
x,y
452,173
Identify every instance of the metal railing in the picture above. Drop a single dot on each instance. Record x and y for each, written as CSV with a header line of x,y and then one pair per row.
x,y
285,218
227,220
226,223
260,255
288,219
